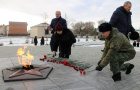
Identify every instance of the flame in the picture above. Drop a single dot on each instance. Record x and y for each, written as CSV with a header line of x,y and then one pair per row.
x,y
24,59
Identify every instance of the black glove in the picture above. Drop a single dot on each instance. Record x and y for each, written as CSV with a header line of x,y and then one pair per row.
x,y
99,68
99,62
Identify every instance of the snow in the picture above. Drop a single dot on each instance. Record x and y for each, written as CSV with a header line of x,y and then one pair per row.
x,y
20,41
89,43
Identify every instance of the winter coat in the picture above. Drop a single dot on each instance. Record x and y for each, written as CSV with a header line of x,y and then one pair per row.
x,y
35,41
64,41
121,19
42,41
58,20
115,43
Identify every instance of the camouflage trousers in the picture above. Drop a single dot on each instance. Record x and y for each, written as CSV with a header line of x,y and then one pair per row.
x,y
117,64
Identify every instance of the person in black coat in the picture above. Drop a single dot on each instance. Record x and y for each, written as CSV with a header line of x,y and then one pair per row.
x,y
54,21
35,41
134,43
64,38
137,43
121,19
42,40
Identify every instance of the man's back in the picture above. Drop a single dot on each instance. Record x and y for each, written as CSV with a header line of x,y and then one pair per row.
x,y
121,19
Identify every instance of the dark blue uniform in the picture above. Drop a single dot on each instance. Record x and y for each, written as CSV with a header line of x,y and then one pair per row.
x,y
121,19
53,24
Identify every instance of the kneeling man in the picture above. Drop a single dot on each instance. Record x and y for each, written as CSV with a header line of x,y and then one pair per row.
x,y
117,51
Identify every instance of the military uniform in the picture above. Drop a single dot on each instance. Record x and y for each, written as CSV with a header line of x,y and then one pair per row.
x,y
117,51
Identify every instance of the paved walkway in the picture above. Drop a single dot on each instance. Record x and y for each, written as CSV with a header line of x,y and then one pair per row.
x,y
65,78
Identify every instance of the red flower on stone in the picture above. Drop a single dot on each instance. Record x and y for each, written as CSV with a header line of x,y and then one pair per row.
x,y
62,62
73,66
84,72
81,69
65,63
81,72
41,59
45,57
48,60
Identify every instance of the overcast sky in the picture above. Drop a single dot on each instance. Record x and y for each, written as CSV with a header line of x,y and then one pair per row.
x,y
76,10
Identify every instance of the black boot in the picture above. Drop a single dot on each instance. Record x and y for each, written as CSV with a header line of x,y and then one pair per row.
x,y
66,56
102,50
128,71
117,77
99,62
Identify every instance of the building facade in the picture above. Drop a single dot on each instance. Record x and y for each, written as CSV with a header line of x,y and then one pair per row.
x,y
17,28
14,29
39,30
4,29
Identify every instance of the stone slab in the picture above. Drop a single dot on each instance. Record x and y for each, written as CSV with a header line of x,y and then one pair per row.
x,y
7,73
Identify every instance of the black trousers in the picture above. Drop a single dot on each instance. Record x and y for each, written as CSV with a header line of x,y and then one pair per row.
x,y
65,50
51,42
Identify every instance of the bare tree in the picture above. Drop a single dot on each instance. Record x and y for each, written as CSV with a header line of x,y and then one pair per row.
x,y
89,27
78,27
70,21
83,28
101,21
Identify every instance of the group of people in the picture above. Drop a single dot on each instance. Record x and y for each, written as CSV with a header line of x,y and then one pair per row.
x,y
42,41
62,37
117,48
117,45
136,44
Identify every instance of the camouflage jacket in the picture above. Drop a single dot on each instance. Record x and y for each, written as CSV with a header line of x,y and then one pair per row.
x,y
116,42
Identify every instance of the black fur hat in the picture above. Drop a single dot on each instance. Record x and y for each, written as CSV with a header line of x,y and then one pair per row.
x,y
105,27
134,36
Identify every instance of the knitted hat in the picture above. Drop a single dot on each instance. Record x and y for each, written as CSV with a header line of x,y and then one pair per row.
x,y
105,27
134,36
58,27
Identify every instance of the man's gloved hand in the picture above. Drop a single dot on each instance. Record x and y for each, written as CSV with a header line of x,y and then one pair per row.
x,y
99,68
53,53
99,62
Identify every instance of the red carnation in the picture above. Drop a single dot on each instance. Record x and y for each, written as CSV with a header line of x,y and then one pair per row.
x,y
45,57
41,59
65,62
84,72
81,69
81,72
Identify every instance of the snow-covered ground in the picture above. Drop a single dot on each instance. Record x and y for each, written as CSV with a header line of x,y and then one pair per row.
x,y
21,41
